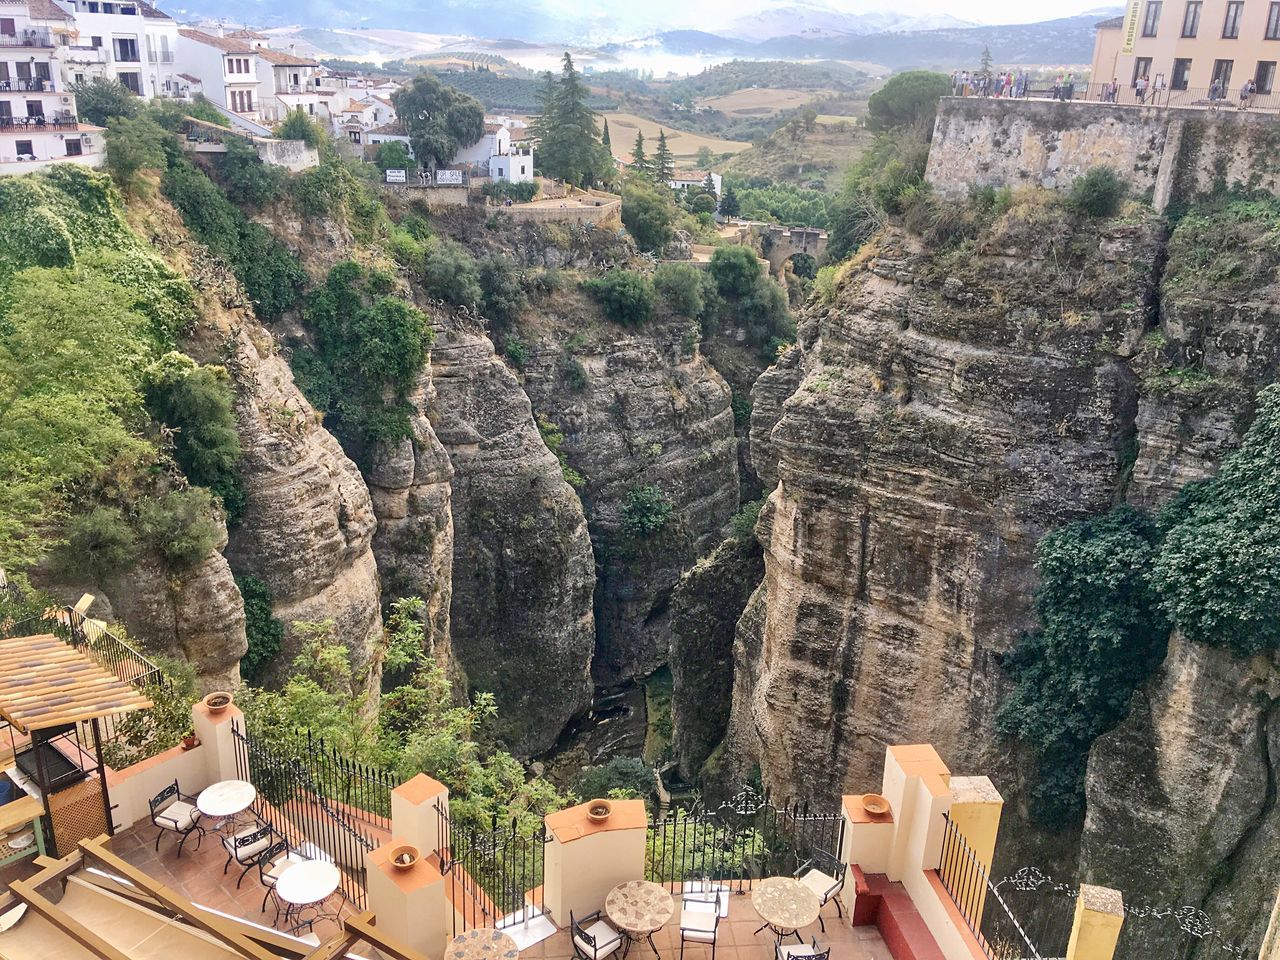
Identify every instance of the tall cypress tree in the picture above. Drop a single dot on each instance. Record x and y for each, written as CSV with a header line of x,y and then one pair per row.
x,y
638,158
604,134
570,146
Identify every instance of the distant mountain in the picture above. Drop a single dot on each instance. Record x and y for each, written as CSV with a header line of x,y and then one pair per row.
x,y
813,19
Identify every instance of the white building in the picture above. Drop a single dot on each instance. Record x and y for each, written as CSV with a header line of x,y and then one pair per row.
x,y
388,133
38,123
360,116
495,140
126,40
684,179
241,73
516,165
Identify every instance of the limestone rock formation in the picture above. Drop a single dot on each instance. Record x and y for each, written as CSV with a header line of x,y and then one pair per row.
x,y
648,410
1182,797
523,575
953,407
767,397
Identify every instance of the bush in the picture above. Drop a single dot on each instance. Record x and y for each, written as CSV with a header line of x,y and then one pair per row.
x,y
99,544
648,212
684,288
298,126
179,527
245,178
264,632
515,350
134,144
503,298
645,512
906,99
626,296
735,269
506,190
575,374
621,777
741,406
765,314
451,273
394,155
1098,193
100,99
744,521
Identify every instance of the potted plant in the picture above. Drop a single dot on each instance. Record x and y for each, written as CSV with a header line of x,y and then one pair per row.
x,y
189,739
405,856
598,810
218,701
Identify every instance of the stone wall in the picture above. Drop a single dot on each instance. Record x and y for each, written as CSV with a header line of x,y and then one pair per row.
x,y
1169,153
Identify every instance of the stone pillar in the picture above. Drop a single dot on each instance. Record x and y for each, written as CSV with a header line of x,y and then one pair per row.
x,y
1096,927
868,843
917,785
417,807
410,905
217,741
976,806
585,860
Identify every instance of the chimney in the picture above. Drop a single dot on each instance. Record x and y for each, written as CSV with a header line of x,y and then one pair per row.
x,y
293,48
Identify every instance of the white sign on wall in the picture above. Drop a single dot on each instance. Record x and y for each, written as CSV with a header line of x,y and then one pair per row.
x,y
396,176
446,178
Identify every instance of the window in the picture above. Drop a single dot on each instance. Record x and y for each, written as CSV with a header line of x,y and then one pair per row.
x,y
1152,20
1273,22
1222,71
95,42
74,147
8,27
1141,68
1231,25
1191,19
125,49
1264,78
1181,74
6,110
133,81
35,108
25,148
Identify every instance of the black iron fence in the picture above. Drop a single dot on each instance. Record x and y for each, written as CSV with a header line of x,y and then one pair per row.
x,y
1002,934
494,875
324,804
742,840
1126,94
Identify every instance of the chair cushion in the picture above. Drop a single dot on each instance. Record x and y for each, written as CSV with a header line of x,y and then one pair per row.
x,y
820,883
179,815
606,938
245,854
796,950
696,891
698,922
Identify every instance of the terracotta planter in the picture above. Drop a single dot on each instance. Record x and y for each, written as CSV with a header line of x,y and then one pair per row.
x,y
405,856
218,701
873,803
598,811
190,743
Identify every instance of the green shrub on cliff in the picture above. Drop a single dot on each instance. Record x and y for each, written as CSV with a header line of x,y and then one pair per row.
x,y
645,511
1098,193
1225,245
264,632
626,296
907,99
179,527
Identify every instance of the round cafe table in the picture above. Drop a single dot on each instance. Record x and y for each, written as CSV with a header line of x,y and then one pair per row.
x,y
639,909
482,944
785,905
226,800
307,884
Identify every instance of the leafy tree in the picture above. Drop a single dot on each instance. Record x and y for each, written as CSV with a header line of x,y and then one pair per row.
x,y
100,99
729,203
179,527
97,545
264,632
503,296
298,126
647,213
626,296
1100,636
664,163
245,178
440,120
621,777
569,140
684,288
735,270
906,99
451,273
394,155
704,158
703,203
645,512
763,312
134,144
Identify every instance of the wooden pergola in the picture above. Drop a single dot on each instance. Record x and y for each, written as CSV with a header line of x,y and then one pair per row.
x,y
49,689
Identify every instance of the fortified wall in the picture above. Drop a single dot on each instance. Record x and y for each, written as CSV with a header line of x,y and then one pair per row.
x,y
1164,152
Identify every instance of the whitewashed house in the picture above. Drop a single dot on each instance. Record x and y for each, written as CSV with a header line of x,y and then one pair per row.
x,y
126,40
38,122
247,77
516,165
684,179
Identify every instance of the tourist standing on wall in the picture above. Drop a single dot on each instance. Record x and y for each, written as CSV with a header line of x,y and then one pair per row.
x,y
1215,93
1246,94
1140,88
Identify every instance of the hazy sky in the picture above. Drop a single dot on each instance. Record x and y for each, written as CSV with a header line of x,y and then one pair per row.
x,y
707,12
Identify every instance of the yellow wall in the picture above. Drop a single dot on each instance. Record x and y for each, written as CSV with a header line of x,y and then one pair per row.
x,y
1099,916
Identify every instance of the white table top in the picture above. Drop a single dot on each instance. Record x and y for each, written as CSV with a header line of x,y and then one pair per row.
x,y
309,882
226,799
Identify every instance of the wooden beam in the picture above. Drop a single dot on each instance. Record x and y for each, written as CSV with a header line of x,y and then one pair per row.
x,y
217,927
336,946
363,926
68,924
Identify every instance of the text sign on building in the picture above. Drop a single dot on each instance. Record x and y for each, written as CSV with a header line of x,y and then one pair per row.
x,y
1130,26
396,176
446,178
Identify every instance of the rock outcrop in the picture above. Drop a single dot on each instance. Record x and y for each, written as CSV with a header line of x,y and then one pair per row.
x,y
953,407
521,611
647,410
768,395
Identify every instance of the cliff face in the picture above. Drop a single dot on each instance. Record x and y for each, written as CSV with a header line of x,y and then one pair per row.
x,y
521,616
1182,797
649,412
952,407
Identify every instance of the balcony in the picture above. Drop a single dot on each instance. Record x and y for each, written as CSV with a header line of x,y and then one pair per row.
x,y
38,39
78,54
32,85
160,56
67,123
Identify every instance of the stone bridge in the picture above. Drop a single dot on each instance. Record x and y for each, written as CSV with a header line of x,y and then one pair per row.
x,y
779,244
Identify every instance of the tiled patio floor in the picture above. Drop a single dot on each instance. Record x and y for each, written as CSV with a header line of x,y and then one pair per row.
x,y
198,876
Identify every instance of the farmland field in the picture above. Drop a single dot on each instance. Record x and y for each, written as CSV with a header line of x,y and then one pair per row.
x,y
684,145
761,101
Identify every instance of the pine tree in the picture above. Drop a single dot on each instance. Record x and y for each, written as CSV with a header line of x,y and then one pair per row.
x,y
664,164
729,203
709,184
985,68
604,135
569,140
638,158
